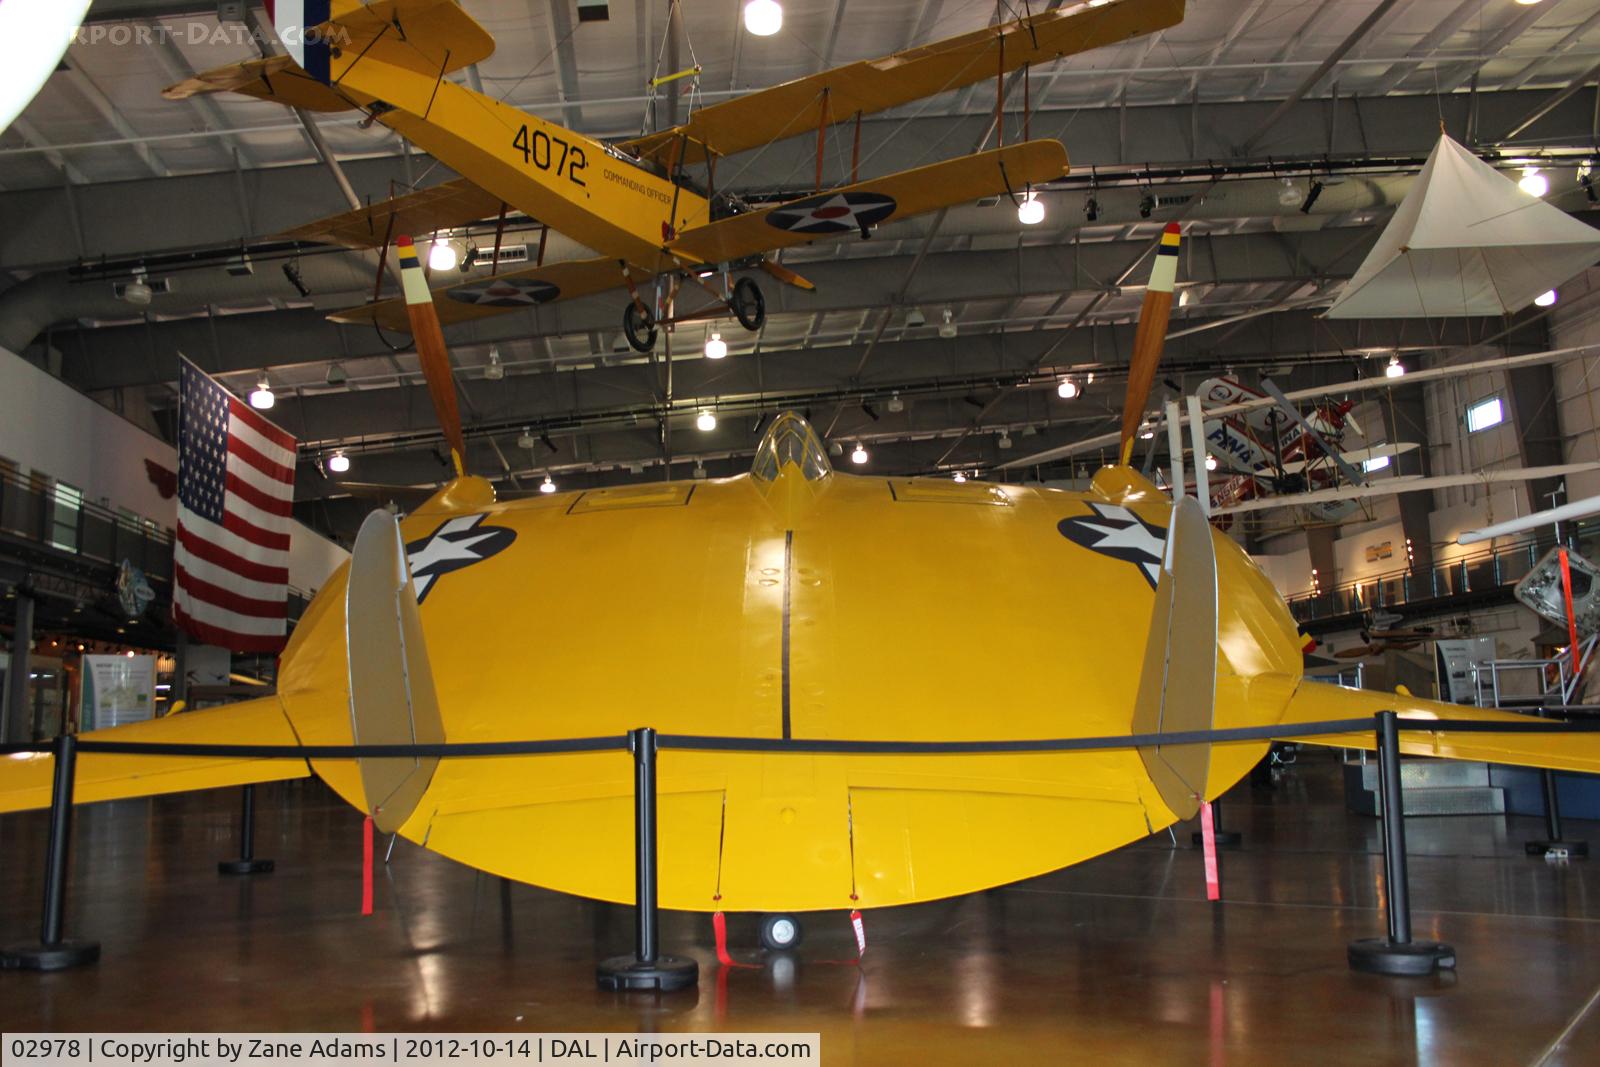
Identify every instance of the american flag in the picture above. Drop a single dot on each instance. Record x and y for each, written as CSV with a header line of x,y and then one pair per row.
x,y
235,496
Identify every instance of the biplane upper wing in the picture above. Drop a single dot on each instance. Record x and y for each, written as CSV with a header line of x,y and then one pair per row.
x,y
873,85
276,78
854,208
446,205
479,298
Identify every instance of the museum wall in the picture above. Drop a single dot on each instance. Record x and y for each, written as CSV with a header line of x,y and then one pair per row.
x,y
49,427
1577,322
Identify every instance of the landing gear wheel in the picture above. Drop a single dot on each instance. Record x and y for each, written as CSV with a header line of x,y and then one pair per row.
x,y
748,305
640,327
780,933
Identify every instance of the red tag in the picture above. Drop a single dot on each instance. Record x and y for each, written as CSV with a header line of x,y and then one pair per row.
x,y
366,866
719,926
1208,841
861,933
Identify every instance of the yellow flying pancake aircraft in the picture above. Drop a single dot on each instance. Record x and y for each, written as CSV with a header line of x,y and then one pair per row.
x,y
797,602
631,201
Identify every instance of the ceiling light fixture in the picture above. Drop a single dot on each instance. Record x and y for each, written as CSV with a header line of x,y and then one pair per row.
x,y
442,256
895,404
1395,368
1091,208
1068,389
495,370
716,347
859,456
262,397
1311,197
947,329
547,486
336,375
1547,299
1211,463
763,18
1031,211
338,463
1533,183
138,292
527,440
705,422
1147,204
915,318
1005,439
959,476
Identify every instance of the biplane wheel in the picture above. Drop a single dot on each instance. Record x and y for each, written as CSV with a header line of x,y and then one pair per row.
x,y
640,327
748,305
780,933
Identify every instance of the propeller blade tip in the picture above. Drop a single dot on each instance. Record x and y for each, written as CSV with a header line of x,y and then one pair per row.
x,y
403,241
1173,227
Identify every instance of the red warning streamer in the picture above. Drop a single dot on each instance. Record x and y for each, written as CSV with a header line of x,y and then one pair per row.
x,y
366,866
1208,841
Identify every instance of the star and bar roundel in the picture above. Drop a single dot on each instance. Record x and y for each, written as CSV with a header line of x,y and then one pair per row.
x,y
1113,530
505,292
833,213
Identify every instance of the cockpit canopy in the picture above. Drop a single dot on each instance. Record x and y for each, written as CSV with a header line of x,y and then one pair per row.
x,y
790,439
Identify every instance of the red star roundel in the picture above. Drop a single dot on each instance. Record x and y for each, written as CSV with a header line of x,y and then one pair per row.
x,y
833,213
505,292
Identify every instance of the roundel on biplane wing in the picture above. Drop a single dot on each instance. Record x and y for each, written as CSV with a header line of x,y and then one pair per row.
x,y
505,292
833,213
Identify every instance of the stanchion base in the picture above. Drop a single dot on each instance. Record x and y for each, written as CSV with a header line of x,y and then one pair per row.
x,y
1559,849
1379,955
245,866
622,974
1224,838
56,957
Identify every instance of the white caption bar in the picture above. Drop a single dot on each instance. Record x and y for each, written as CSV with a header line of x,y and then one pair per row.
x,y
403,1050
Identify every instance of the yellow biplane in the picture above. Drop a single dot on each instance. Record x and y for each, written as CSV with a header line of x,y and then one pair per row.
x,y
797,602
632,201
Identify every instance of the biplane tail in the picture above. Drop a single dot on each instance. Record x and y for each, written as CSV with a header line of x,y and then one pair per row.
x,y
324,37
25,779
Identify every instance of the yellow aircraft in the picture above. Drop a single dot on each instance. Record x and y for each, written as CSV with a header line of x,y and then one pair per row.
x,y
794,601
632,201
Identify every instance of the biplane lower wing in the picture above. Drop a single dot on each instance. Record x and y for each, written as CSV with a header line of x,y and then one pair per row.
x,y
479,298
857,208
443,206
276,78
106,776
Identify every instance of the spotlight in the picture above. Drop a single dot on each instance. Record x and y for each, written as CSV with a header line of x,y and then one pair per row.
x,y
1546,299
262,398
699,469
1147,430
1533,183
1031,211
763,18
338,463
443,256
470,260
895,404
1586,179
1091,208
291,271
716,347
547,486
959,476
1395,368
1005,439
495,370
869,411
859,456
948,330
1068,389
1147,204
551,445
835,448
706,422
1311,197
527,440
1211,463
138,292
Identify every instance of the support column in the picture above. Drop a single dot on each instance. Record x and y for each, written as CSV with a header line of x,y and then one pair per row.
x,y
15,721
247,862
1554,846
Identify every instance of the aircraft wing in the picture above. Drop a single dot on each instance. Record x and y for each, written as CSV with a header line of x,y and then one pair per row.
x,y
896,196
449,204
873,85
103,776
515,290
1407,484
1359,455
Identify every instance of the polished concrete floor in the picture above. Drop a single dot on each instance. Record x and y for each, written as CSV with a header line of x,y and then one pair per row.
x,y
1120,960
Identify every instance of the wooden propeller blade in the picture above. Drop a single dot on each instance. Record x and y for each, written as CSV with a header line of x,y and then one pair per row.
x,y
431,351
1150,338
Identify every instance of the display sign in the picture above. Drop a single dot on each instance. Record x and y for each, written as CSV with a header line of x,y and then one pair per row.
x,y
117,690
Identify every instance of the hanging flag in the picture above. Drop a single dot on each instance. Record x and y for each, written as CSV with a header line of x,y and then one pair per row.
x,y
235,497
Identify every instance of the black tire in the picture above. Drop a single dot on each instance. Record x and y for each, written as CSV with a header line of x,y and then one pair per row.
x,y
780,933
640,328
748,305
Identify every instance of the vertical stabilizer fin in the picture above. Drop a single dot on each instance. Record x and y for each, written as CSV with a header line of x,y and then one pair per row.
x,y
1178,685
392,699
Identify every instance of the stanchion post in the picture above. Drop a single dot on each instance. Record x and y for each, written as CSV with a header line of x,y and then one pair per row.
x,y
247,862
1396,954
1555,845
646,969
53,952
